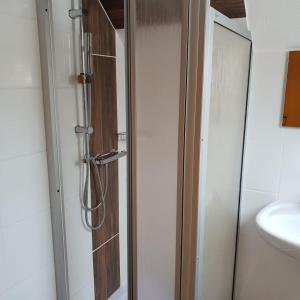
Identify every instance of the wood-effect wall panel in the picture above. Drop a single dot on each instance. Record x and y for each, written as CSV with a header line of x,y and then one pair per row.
x,y
103,140
230,8
109,273
115,11
103,32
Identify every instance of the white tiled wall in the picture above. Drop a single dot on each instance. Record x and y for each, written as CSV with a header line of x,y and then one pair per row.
x,y
271,172
122,292
69,104
26,254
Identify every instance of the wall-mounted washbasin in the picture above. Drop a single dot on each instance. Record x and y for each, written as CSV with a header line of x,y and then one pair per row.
x,y
279,224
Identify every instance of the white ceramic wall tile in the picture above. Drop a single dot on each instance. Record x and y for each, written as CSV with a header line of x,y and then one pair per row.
x,y
19,8
120,294
3,281
27,247
263,273
70,114
87,293
21,196
22,122
269,274
69,101
272,165
121,99
262,165
72,171
19,59
274,27
61,9
79,244
265,99
40,286
65,50
123,208
70,111
121,76
66,47
25,225
251,203
290,174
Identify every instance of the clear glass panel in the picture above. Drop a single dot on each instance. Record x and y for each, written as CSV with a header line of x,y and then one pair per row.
x,y
96,259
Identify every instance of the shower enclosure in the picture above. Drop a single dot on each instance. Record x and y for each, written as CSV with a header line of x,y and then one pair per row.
x,y
123,215
84,76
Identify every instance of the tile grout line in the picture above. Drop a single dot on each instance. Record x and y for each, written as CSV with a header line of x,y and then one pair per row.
x,y
4,88
102,245
29,218
19,156
40,269
259,191
104,55
20,16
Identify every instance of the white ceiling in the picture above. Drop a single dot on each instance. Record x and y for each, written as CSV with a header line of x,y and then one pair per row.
x,y
274,24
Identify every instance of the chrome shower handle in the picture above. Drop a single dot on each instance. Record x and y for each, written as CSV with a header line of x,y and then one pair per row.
x,y
107,158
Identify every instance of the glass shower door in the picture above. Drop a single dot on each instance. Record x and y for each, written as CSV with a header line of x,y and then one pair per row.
x,y
223,138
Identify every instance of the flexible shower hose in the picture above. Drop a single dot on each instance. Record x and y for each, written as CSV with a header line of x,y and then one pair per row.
x,y
91,163
100,193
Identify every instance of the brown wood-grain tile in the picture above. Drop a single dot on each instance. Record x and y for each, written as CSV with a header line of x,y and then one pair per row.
x,y
104,139
230,8
115,11
103,32
107,269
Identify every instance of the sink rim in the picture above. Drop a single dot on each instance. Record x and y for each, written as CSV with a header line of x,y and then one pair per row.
x,y
286,245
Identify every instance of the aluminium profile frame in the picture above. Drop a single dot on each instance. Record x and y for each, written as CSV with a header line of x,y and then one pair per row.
x,y
46,42
45,30
213,17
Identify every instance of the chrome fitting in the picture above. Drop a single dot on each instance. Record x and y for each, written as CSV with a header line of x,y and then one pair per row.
x,y
76,13
84,130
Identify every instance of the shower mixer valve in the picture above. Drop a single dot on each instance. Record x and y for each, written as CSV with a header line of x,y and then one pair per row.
x,y
107,158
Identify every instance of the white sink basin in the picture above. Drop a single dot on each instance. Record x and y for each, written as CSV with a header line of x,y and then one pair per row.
x,y
279,224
